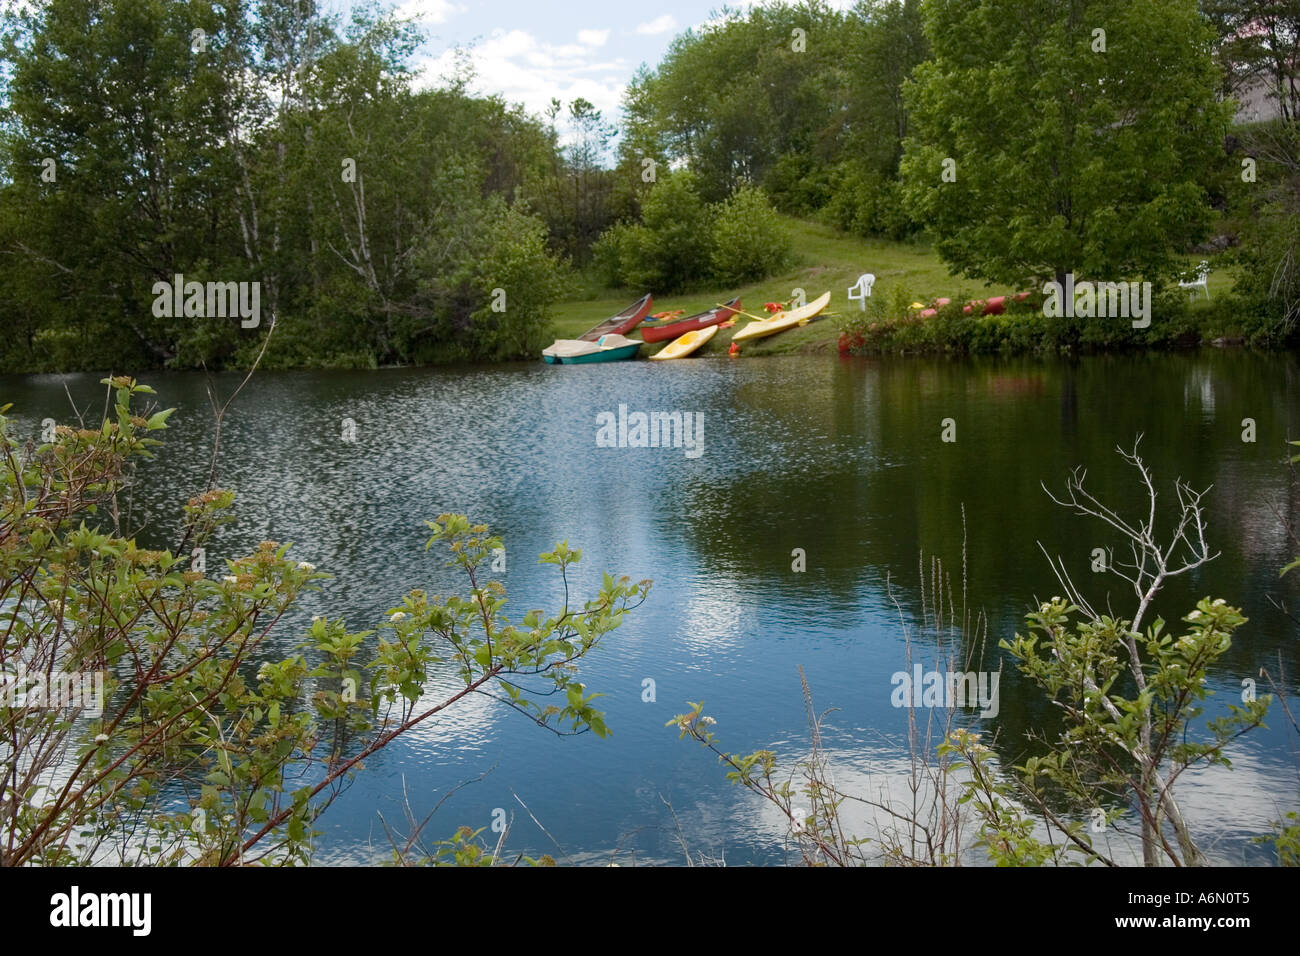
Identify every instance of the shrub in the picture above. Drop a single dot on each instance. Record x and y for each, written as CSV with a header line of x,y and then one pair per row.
x,y
680,225
513,257
670,248
195,754
750,240
868,204
681,241
889,325
607,254
461,315
799,185
1130,690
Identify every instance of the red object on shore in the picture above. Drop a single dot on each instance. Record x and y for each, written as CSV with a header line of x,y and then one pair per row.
x,y
734,350
994,306
621,324
692,323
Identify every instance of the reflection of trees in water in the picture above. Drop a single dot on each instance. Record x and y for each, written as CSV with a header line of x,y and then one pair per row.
x,y
846,464
1019,422
1069,400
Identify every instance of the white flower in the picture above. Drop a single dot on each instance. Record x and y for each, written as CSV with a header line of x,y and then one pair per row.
x,y
1055,599
101,738
1219,602
304,566
1195,615
1045,608
230,579
397,616
707,721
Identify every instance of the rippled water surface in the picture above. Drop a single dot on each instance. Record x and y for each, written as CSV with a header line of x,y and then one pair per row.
x,y
841,458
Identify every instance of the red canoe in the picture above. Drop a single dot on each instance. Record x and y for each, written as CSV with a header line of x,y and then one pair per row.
x,y
621,324
671,330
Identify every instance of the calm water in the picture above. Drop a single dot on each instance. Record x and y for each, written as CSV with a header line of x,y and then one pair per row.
x,y
841,458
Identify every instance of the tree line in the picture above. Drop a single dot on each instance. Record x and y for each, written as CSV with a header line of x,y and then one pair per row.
x,y
263,141
1022,141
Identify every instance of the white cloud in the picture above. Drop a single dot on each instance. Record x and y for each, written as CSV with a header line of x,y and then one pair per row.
x,y
524,69
658,25
430,11
593,37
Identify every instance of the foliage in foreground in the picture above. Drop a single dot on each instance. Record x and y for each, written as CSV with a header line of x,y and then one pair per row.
x,y
197,755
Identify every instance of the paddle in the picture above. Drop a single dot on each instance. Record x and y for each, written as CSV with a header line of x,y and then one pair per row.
x,y
747,315
816,318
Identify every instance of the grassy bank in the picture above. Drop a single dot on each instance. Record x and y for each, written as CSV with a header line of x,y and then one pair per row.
x,y
827,259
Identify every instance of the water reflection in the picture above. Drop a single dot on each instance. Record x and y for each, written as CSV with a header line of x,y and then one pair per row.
x,y
840,458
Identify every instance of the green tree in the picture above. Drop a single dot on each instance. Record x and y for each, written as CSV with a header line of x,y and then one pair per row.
x,y
673,244
489,295
750,242
574,194
734,97
114,133
275,146
641,152
1065,149
800,98
864,194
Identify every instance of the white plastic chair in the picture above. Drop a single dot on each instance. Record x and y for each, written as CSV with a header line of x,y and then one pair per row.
x,y
863,289
1201,275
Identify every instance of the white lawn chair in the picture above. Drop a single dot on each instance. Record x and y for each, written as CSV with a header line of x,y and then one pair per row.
x,y
863,289
1199,279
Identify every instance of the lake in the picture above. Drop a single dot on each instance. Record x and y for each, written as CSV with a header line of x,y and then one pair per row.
x,y
843,458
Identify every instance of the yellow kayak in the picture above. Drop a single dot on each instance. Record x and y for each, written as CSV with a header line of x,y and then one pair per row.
x,y
782,320
684,345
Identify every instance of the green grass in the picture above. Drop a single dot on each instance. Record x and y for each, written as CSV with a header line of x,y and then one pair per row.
x,y
824,259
